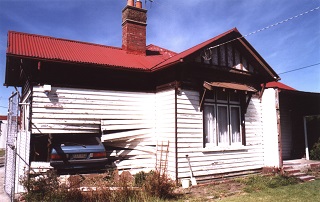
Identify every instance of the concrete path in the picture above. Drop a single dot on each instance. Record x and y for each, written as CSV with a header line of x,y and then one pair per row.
x,y
3,196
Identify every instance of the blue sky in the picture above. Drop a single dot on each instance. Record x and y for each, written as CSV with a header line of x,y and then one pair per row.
x,y
178,25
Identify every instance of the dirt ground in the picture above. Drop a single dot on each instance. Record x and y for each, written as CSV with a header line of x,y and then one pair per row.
x,y
211,192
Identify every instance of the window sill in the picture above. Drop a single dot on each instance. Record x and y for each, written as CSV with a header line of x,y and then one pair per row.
x,y
224,149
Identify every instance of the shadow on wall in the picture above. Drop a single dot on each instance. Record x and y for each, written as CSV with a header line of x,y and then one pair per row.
x,y
313,130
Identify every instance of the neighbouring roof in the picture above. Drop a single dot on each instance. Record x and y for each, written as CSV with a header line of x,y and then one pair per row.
x,y
50,48
276,84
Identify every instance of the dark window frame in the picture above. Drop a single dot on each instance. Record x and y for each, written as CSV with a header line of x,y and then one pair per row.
x,y
211,99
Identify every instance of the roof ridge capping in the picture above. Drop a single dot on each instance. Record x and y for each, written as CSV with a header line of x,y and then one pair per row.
x,y
61,39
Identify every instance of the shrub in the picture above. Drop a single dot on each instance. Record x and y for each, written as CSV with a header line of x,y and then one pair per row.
x,y
47,188
113,187
159,185
315,151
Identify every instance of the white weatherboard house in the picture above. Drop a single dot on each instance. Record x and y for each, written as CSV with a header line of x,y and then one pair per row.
x,y
207,108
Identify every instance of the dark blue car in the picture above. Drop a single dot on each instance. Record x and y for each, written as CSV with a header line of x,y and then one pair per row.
x,y
77,152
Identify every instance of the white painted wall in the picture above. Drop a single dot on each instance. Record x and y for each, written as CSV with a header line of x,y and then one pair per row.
x,y
210,163
3,134
165,126
153,114
22,158
270,130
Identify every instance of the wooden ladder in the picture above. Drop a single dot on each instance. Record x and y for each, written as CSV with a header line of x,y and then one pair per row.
x,y
162,157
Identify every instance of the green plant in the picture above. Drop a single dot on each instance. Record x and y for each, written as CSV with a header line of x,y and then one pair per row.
x,y
159,185
140,178
315,151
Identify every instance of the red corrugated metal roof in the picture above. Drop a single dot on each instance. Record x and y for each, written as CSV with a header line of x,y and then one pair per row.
x,y
50,48
276,84
3,117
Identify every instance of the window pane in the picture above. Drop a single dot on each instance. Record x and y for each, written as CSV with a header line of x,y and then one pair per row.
x,y
223,124
235,125
209,124
210,95
222,95
234,97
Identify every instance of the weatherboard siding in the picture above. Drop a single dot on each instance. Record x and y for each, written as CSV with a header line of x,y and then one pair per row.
x,y
127,120
165,128
67,110
215,161
138,123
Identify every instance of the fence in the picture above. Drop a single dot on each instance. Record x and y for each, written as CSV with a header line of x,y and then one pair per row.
x,y
12,131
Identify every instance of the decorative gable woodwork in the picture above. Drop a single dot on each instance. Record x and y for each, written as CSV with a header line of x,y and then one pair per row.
x,y
226,56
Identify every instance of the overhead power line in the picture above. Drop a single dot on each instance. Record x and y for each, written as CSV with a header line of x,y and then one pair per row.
x,y
267,27
299,68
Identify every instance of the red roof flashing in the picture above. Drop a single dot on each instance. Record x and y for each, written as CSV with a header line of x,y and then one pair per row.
x,y
276,84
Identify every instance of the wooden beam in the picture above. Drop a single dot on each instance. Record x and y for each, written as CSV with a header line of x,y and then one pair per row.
x,y
257,58
202,99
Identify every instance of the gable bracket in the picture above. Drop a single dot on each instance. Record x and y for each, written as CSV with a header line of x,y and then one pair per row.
x,y
202,99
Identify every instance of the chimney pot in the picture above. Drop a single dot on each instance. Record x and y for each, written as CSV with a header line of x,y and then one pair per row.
x,y
130,2
139,4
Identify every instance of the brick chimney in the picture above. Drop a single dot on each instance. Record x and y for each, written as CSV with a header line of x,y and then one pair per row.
x,y
134,24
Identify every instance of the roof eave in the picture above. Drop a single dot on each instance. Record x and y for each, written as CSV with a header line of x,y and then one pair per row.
x,y
273,75
79,63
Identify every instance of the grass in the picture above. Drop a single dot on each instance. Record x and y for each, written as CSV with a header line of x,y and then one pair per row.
x,y
2,152
256,188
309,191
258,182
